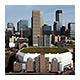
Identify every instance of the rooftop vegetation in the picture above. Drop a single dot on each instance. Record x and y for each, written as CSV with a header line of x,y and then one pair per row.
x,y
44,50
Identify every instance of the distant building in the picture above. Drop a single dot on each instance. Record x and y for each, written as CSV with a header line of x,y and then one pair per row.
x,y
44,40
10,27
12,42
41,22
37,22
46,29
8,34
12,45
63,37
58,23
17,34
56,28
18,43
63,30
71,30
29,32
40,41
30,36
59,17
47,40
12,39
22,42
22,27
56,39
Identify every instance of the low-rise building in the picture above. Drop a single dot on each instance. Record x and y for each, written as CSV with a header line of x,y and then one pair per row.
x,y
56,39
22,42
46,61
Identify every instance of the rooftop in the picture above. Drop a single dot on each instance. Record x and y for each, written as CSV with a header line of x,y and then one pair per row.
x,y
44,50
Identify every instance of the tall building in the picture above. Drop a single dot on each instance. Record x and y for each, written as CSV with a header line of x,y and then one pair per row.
x,y
10,30
8,34
46,29
63,30
58,23
40,41
44,40
41,22
22,27
71,30
37,22
56,28
59,17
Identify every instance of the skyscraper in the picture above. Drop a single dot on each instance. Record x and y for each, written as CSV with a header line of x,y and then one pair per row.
x,y
37,21
59,17
46,29
41,22
71,30
56,28
22,27
44,40
58,23
63,30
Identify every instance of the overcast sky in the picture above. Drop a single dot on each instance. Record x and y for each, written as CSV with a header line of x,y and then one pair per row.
x,y
14,13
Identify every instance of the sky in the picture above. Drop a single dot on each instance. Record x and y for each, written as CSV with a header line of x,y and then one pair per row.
x,y
14,13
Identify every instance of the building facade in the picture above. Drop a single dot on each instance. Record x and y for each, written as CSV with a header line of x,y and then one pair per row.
x,y
44,40
22,27
46,29
59,17
63,30
37,21
48,62
11,28
56,28
71,30
9,25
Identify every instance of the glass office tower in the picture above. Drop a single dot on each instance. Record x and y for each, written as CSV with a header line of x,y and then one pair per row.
x,y
22,27
59,17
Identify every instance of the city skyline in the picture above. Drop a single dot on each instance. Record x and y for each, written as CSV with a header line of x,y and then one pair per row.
x,y
14,13
41,49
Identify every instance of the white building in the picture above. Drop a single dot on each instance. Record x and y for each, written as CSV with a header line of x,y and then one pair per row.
x,y
64,59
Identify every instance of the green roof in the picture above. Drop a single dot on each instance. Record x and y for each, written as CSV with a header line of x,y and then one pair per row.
x,y
44,50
